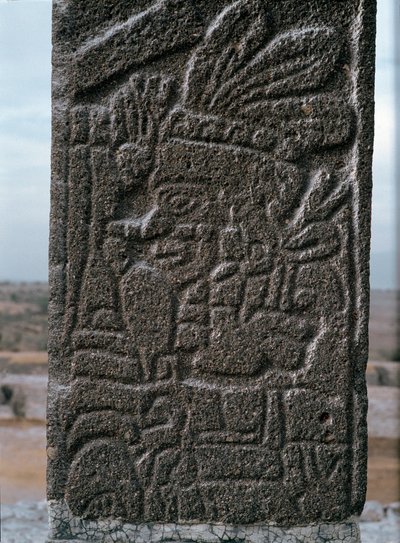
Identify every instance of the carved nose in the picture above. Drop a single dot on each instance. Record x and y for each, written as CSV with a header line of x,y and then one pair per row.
x,y
155,224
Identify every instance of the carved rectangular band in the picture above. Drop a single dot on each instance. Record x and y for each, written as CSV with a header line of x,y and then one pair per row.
x,y
209,255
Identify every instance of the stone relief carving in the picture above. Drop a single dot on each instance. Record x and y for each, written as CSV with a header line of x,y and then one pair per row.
x,y
194,320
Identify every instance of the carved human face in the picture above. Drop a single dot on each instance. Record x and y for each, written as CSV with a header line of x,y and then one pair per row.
x,y
209,228
195,196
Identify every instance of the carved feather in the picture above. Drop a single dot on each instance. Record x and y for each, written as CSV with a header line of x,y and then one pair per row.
x,y
234,38
313,234
316,241
235,67
138,110
325,197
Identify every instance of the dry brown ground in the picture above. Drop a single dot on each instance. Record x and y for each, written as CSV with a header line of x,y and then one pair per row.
x,y
25,357
384,470
24,362
23,316
23,461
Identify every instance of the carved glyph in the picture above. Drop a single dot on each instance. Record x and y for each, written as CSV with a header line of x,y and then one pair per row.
x,y
209,271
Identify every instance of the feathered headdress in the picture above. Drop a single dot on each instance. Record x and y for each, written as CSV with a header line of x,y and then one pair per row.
x,y
247,86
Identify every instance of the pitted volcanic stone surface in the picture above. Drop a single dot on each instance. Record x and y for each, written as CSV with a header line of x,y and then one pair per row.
x,y
211,188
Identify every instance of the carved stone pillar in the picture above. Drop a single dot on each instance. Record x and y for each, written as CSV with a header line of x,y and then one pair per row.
x,y
211,192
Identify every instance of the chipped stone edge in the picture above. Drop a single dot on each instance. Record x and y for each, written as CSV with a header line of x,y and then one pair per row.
x,y
65,528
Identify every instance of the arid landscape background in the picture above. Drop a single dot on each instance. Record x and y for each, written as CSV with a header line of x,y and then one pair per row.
x,y
23,378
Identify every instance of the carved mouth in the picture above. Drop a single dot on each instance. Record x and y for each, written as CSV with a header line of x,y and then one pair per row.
x,y
172,253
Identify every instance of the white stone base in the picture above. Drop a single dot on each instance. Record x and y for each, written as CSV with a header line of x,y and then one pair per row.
x,y
65,528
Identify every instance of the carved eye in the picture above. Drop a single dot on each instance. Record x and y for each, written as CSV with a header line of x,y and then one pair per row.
x,y
181,199
180,204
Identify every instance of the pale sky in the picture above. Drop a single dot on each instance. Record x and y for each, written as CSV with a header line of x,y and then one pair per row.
x,y
25,70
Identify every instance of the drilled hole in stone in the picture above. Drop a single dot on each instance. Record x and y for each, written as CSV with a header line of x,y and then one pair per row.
x,y
325,418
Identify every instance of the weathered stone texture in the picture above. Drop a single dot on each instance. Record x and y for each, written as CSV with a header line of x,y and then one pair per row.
x,y
209,260
74,530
